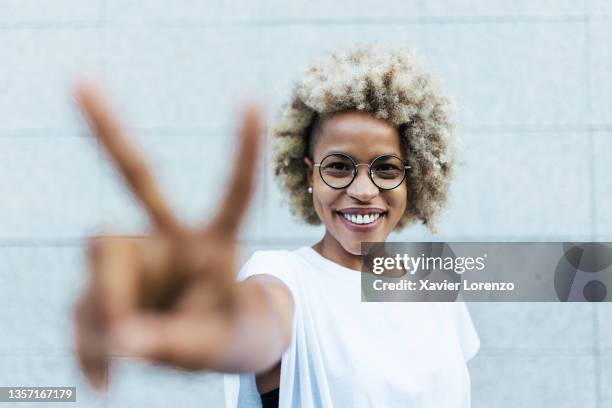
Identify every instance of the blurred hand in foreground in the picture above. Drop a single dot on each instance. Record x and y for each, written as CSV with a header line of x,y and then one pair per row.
x,y
169,296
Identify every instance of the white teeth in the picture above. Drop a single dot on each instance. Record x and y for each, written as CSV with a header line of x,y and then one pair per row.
x,y
362,218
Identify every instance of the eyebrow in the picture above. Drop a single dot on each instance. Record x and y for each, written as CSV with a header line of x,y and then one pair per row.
x,y
372,158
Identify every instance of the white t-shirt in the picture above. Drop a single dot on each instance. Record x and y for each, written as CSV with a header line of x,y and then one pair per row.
x,y
348,353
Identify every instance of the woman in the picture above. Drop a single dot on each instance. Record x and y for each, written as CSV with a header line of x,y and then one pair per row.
x,y
364,147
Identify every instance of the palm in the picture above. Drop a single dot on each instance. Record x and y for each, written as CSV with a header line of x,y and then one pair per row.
x,y
178,281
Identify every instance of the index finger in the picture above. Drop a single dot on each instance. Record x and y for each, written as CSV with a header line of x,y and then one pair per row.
x,y
131,165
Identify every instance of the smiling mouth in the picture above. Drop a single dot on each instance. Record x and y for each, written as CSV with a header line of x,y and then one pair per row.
x,y
361,219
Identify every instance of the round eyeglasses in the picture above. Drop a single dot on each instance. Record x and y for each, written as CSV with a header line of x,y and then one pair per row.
x,y
338,171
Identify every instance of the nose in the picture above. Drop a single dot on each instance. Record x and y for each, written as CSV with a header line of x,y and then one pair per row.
x,y
362,188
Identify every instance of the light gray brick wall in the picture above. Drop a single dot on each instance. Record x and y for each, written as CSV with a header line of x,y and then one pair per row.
x,y
532,83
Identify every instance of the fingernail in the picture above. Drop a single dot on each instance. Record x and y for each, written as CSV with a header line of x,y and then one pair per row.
x,y
98,382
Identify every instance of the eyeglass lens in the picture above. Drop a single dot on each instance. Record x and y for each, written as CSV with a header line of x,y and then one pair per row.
x,y
338,171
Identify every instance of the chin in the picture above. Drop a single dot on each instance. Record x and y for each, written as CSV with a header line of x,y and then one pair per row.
x,y
353,247
352,244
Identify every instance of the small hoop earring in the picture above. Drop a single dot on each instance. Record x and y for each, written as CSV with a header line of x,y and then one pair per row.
x,y
309,189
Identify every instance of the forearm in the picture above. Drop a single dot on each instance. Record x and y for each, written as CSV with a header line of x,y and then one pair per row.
x,y
257,331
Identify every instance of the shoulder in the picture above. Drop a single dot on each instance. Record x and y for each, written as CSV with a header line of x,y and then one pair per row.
x,y
277,263
459,316
268,259
270,255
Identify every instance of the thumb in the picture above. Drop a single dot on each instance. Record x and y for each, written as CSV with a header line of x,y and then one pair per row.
x,y
134,337
179,340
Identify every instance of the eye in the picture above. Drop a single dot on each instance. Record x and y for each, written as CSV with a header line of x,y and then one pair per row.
x,y
340,166
337,170
337,166
387,168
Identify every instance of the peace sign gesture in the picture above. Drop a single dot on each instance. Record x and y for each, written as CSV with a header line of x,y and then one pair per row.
x,y
169,296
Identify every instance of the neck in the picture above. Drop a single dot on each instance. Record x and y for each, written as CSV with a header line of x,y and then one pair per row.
x,y
331,249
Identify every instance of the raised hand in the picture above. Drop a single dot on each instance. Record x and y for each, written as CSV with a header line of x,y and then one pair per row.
x,y
169,296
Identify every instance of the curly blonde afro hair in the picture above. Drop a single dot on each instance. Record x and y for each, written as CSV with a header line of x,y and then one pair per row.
x,y
388,83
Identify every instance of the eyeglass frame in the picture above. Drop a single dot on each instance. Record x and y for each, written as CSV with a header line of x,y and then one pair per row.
x,y
355,169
